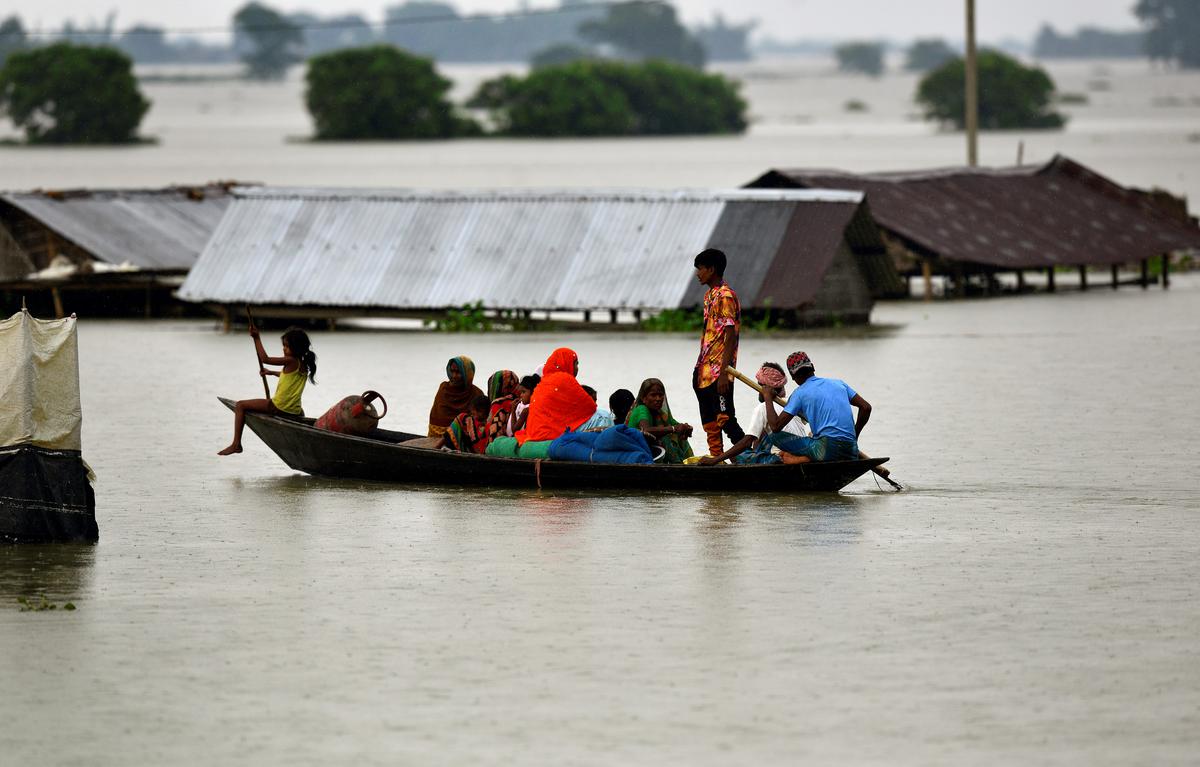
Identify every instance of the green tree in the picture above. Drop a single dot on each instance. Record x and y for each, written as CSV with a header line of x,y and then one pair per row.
x,y
72,94
609,98
646,30
1011,95
12,37
266,42
924,55
864,58
380,92
1174,33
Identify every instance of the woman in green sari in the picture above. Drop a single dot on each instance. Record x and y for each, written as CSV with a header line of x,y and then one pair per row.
x,y
652,416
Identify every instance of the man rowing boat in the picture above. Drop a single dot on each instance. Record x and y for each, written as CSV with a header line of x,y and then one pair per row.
x,y
826,404
718,350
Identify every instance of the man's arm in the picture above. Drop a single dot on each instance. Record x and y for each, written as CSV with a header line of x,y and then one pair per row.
x,y
864,413
776,420
729,341
741,446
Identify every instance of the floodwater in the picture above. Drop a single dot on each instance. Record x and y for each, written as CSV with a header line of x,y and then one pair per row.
x,y
1141,126
1033,597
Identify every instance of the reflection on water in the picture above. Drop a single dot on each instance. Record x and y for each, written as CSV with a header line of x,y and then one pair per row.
x,y
60,572
1034,588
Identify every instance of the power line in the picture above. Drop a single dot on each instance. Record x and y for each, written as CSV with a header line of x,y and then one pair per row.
x,y
145,29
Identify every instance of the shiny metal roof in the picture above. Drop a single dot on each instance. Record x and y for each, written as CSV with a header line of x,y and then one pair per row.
x,y
152,229
561,249
1060,213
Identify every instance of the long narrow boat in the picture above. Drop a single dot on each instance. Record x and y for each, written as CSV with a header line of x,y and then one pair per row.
x,y
381,456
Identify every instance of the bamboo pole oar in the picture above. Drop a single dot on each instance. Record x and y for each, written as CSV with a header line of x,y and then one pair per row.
x,y
882,472
266,388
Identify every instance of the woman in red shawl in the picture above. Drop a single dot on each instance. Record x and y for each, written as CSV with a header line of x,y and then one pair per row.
x,y
559,402
454,396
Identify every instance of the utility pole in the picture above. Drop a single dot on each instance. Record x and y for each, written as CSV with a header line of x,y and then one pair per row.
x,y
972,85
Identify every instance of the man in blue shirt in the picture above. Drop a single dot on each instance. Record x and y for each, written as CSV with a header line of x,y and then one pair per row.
x,y
826,404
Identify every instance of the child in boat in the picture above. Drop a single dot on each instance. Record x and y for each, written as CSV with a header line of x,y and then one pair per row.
x,y
652,416
299,365
468,431
516,420
620,403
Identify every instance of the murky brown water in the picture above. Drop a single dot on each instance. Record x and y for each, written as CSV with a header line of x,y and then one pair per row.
x,y
1032,598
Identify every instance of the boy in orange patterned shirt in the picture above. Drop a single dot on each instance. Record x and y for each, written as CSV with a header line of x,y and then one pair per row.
x,y
718,350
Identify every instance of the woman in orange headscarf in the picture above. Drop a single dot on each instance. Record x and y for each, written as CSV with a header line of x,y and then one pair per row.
x,y
559,402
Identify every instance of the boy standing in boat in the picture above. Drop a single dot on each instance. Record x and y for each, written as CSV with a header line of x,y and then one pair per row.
x,y
718,350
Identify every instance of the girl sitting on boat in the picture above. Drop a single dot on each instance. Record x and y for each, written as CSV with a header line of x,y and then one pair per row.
x,y
652,416
454,396
468,432
299,365
502,392
516,419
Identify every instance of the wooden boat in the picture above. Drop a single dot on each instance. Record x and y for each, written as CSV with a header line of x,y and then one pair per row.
x,y
381,456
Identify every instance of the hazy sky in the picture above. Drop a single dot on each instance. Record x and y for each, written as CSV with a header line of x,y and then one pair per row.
x,y
785,19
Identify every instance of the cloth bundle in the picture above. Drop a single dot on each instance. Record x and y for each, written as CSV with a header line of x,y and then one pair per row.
x,y
620,444
507,447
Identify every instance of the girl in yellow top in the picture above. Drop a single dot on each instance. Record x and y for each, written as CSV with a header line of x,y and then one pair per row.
x,y
299,365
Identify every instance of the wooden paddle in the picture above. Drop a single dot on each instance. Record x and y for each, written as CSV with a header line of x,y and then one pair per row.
x,y
266,388
882,472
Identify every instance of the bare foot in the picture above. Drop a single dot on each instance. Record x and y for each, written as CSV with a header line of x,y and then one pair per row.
x,y
790,458
231,450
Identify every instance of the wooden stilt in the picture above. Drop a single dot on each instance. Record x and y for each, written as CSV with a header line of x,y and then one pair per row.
x,y
927,275
1020,280
58,305
1166,270
1116,276
587,315
1050,279
1083,278
612,316
1145,273
637,315
226,320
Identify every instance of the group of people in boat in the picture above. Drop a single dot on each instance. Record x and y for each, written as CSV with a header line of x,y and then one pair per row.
x,y
817,423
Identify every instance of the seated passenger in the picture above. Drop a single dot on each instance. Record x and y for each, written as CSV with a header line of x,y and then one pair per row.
x,y
468,431
516,419
751,448
454,396
559,402
502,392
826,404
603,419
652,416
620,403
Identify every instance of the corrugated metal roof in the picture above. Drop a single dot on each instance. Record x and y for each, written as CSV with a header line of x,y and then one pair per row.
x,y
1060,213
153,229
508,249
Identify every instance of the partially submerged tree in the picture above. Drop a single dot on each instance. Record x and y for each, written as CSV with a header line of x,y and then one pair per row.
x,y
72,94
860,57
924,55
645,30
609,98
266,42
380,92
1011,95
1174,33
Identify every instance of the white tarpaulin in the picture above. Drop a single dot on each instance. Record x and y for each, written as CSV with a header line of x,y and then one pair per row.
x,y
39,383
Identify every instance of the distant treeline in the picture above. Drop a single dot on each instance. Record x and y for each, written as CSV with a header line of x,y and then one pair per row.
x,y
1089,42
426,27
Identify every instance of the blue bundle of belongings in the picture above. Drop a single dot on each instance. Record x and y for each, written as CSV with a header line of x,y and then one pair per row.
x,y
619,444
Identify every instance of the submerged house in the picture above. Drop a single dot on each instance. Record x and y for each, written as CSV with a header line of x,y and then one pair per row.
x,y
104,251
966,223
813,255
